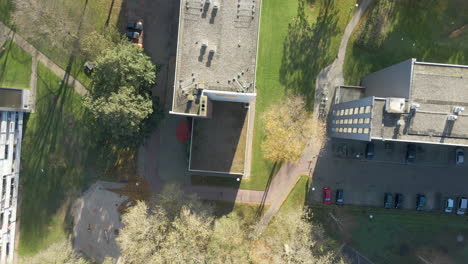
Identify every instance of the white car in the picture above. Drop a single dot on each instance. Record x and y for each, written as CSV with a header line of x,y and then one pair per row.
x,y
459,156
462,204
449,203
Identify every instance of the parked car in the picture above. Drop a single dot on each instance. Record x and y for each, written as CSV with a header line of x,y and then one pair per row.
x,y
420,202
462,204
135,32
339,197
411,153
448,206
398,200
326,195
370,151
459,156
388,200
135,26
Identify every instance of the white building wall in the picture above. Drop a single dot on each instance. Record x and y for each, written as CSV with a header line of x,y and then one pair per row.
x,y
229,96
11,128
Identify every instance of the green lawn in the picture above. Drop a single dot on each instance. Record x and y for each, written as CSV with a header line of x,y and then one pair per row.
x,y
297,197
15,66
6,8
59,157
394,31
296,42
400,236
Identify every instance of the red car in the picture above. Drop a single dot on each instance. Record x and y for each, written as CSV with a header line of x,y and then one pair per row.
x,y
327,195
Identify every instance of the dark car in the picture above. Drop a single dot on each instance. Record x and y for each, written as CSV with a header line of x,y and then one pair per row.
x,y
388,200
339,197
411,153
420,202
133,35
370,151
135,26
398,200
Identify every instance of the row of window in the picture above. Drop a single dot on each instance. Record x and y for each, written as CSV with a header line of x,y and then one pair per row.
x,y
353,111
353,130
351,121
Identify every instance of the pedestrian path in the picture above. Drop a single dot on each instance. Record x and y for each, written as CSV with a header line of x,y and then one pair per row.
x,y
7,33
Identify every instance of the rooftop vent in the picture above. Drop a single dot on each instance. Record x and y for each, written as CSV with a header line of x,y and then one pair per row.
x,y
452,117
458,109
415,106
395,105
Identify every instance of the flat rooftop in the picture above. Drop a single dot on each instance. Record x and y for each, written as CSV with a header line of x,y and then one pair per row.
x,y
437,89
219,143
217,50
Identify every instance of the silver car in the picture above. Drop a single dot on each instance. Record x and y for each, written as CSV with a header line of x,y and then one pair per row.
x,y
449,203
459,156
462,204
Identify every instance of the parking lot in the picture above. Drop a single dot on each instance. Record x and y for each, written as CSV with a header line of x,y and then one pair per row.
x,y
434,173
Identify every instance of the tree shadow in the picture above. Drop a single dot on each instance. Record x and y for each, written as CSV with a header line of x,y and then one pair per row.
x,y
305,50
394,31
274,169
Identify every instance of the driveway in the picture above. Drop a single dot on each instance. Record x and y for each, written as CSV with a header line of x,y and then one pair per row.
x,y
162,157
365,181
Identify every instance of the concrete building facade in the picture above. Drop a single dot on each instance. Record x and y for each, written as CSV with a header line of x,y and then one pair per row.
x,y
411,101
13,104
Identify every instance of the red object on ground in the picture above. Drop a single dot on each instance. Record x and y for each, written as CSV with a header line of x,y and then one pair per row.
x,y
183,131
327,195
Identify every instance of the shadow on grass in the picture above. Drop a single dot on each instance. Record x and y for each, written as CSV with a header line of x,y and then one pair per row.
x,y
306,49
274,169
394,31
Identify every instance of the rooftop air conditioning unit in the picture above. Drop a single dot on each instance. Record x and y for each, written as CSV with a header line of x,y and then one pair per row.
x,y
458,109
415,106
395,105
452,117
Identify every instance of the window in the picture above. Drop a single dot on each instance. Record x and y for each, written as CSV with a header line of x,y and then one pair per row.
x,y
340,130
361,110
361,120
351,111
346,112
356,110
346,121
341,112
355,120
367,120
354,130
359,130
334,112
333,129
366,131
368,109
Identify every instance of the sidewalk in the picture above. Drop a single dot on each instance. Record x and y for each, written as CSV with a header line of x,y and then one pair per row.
x,y
7,33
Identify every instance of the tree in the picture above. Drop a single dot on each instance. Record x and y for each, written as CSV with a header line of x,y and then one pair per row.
x,y
125,65
121,113
288,129
59,252
94,44
120,99
229,243
155,234
292,238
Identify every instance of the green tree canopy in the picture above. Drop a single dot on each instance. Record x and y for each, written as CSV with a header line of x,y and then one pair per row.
x,y
120,99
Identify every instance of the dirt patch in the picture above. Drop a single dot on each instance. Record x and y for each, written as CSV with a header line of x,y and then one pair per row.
x,y
457,32
97,221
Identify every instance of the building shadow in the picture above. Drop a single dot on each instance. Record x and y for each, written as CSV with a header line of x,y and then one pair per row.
x,y
305,49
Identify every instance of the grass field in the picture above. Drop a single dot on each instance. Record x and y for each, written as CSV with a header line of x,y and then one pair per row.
x,y
395,236
394,31
58,158
15,66
6,8
296,42
55,27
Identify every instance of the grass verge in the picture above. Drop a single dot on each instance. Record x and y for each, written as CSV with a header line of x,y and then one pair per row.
x,y
297,40
6,8
394,31
398,236
15,66
58,157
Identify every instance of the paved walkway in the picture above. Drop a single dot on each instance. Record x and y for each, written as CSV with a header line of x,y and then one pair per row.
x,y
289,174
7,33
